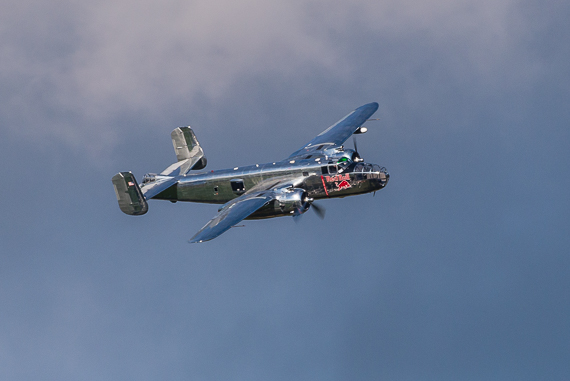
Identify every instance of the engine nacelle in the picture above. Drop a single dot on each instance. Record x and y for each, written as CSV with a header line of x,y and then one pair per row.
x,y
292,201
288,202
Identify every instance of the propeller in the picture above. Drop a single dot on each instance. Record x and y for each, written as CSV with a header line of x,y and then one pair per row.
x,y
309,202
319,210
357,157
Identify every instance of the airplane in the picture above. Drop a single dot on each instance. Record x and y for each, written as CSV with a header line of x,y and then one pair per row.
x,y
321,169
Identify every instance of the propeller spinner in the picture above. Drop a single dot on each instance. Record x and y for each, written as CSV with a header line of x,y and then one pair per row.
x,y
308,203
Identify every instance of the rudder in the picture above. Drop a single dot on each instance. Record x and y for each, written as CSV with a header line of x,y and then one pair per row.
x,y
188,151
129,195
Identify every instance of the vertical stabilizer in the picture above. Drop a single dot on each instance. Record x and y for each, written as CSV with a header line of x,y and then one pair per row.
x,y
129,195
188,152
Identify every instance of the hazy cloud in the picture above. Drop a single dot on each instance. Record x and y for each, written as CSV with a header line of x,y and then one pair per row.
x,y
457,270
69,68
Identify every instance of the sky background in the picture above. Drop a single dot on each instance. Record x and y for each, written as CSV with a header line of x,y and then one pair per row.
x,y
457,270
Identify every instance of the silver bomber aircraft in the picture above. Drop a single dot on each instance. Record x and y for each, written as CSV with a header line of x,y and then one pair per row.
x,y
323,168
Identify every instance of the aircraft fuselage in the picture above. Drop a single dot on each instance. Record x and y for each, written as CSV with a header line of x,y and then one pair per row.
x,y
322,168
321,179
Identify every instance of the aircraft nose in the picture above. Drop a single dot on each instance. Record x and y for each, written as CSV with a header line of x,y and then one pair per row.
x,y
384,176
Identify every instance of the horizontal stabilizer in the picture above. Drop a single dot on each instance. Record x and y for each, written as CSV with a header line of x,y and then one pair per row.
x,y
153,185
188,152
129,195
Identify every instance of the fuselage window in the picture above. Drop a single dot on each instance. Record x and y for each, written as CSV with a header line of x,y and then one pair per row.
x,y
238,186
332,169
325,170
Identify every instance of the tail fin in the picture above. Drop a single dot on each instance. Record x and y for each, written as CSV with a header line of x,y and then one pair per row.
x,y
188,152
129,195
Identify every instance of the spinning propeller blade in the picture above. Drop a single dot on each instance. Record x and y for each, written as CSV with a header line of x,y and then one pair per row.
x,y
319,210
357,156
309,202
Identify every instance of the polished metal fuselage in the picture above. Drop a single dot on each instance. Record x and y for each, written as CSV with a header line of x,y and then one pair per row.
x,y
319,178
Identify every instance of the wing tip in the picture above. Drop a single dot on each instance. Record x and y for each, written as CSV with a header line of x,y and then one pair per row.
x,y
371,105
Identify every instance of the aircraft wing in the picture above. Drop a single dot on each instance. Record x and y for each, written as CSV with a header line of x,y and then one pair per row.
x,y
242,207
339,132
231,214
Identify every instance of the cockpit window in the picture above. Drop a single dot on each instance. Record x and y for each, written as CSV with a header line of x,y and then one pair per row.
x,y
343,163
359,167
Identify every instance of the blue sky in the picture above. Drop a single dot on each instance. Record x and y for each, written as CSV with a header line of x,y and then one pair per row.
x,y
456,270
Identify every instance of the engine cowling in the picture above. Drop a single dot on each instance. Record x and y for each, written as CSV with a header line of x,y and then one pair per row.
x,y
288,202
292,201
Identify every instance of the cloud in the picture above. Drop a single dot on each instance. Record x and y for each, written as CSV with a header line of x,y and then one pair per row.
x,y
71,69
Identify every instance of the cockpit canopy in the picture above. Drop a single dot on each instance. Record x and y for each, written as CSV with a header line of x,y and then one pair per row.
x,y
345,164
361,167
366,167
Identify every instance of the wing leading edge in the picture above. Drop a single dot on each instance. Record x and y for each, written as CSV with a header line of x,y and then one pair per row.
x,y
230,215
157,185
339,132
242,207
